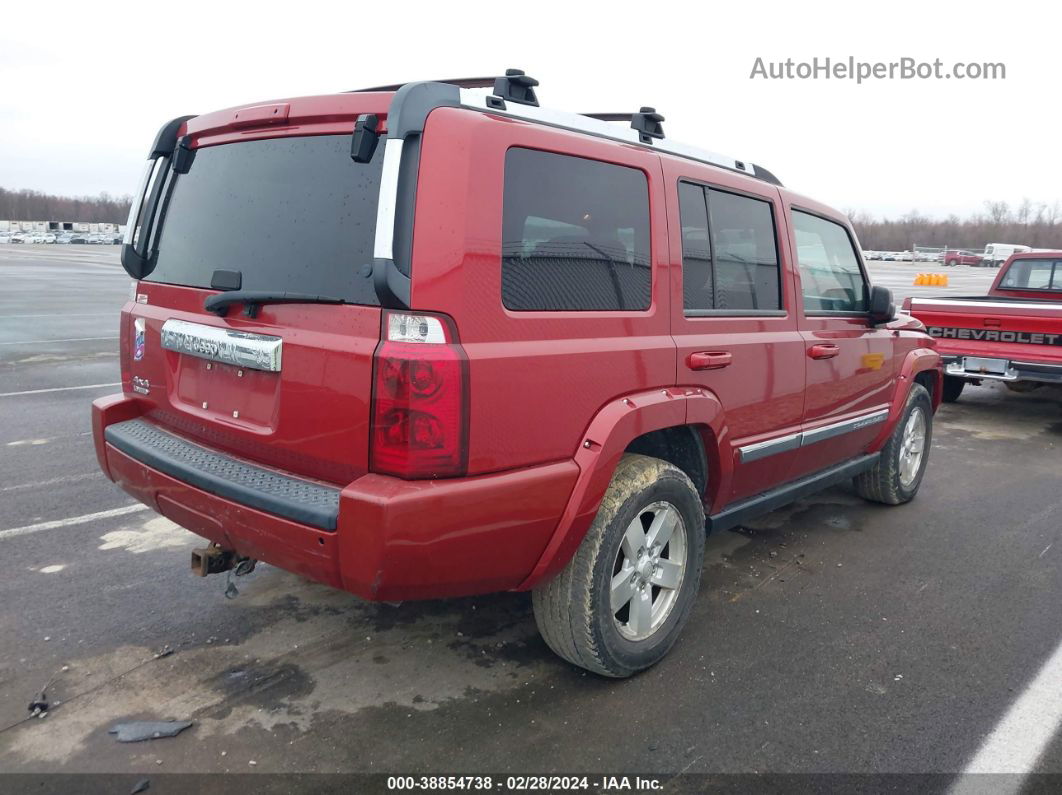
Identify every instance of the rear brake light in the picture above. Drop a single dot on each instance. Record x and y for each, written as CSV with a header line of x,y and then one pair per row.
x,y
420,399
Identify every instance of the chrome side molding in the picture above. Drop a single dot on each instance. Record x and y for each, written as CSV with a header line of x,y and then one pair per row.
x,y
782,444
239,348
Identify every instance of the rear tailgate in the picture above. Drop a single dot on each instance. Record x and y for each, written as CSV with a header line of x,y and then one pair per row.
x,y
269,201
308,417
1013,329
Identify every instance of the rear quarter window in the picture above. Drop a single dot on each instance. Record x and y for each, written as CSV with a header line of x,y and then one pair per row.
x,y
575,234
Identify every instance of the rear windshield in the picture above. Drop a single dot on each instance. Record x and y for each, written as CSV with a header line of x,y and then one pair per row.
x,y
291,214
1033,274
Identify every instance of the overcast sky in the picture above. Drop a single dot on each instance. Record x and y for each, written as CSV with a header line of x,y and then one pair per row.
x,y
85,86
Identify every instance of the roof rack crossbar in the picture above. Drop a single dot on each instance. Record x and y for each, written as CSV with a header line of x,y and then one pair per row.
x,y
460,82
609,116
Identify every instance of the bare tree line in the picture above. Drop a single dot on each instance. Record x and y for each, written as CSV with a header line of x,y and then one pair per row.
x,y
1030,223
31,205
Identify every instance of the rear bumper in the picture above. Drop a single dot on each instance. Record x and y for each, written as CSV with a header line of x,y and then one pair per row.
x,y
1018,370
392,539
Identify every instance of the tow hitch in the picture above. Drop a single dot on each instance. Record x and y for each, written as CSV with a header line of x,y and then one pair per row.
x,y
211,560
215,560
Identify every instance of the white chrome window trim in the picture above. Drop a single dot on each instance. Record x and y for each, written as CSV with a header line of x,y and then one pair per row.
x,y
383,246
138,202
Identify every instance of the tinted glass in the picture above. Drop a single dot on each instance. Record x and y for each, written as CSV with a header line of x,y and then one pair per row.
x,y
575,234
1033,274
294,214
698,290
745,255
830,277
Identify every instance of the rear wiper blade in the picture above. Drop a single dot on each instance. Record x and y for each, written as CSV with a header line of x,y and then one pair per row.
x,y
253,299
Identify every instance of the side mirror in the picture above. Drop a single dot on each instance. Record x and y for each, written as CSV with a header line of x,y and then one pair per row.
x,y
882,309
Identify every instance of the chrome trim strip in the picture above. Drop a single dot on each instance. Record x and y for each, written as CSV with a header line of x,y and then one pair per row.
x,y
975,304
477,98
239,348
383,248
754,452
1042,365
847,426
782,444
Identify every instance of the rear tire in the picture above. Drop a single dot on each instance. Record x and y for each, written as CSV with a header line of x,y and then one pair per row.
x,y
951,263
896,476
952,388
611,610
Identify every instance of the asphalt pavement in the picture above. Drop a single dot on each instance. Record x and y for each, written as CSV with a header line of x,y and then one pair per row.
x,y
834,636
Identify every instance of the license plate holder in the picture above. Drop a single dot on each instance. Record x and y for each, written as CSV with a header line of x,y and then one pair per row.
x,y
978,365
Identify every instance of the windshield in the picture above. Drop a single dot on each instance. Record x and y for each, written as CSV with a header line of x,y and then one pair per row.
x,y
290,214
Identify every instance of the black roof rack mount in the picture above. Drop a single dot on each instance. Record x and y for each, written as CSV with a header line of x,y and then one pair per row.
x,y
516,87
647,122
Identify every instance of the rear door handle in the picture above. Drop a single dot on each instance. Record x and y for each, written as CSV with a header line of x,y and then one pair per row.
x,y
824,350
709,360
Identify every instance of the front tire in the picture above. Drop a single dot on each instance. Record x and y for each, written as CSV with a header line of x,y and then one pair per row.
x,y
952,388
896,476
619,605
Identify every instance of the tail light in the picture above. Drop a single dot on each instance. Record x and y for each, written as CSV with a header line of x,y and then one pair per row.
x,y
420,399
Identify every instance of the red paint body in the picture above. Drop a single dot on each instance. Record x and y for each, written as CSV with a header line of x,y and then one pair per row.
x,y
1018,328
959,257
555,397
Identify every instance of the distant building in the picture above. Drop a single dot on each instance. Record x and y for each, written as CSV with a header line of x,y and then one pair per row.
x,y
61,226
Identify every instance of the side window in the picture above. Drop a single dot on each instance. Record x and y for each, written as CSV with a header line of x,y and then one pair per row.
x,y
698,282
575,234
830,277
729,251
1033,274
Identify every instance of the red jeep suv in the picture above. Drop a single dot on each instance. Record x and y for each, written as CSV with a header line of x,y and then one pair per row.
x,y
434,340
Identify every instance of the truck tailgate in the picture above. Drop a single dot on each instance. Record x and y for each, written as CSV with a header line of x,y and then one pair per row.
x,y
993,327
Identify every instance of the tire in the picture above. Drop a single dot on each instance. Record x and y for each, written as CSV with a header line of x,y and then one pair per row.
x,y
895,478
953,388
951,263
574,610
